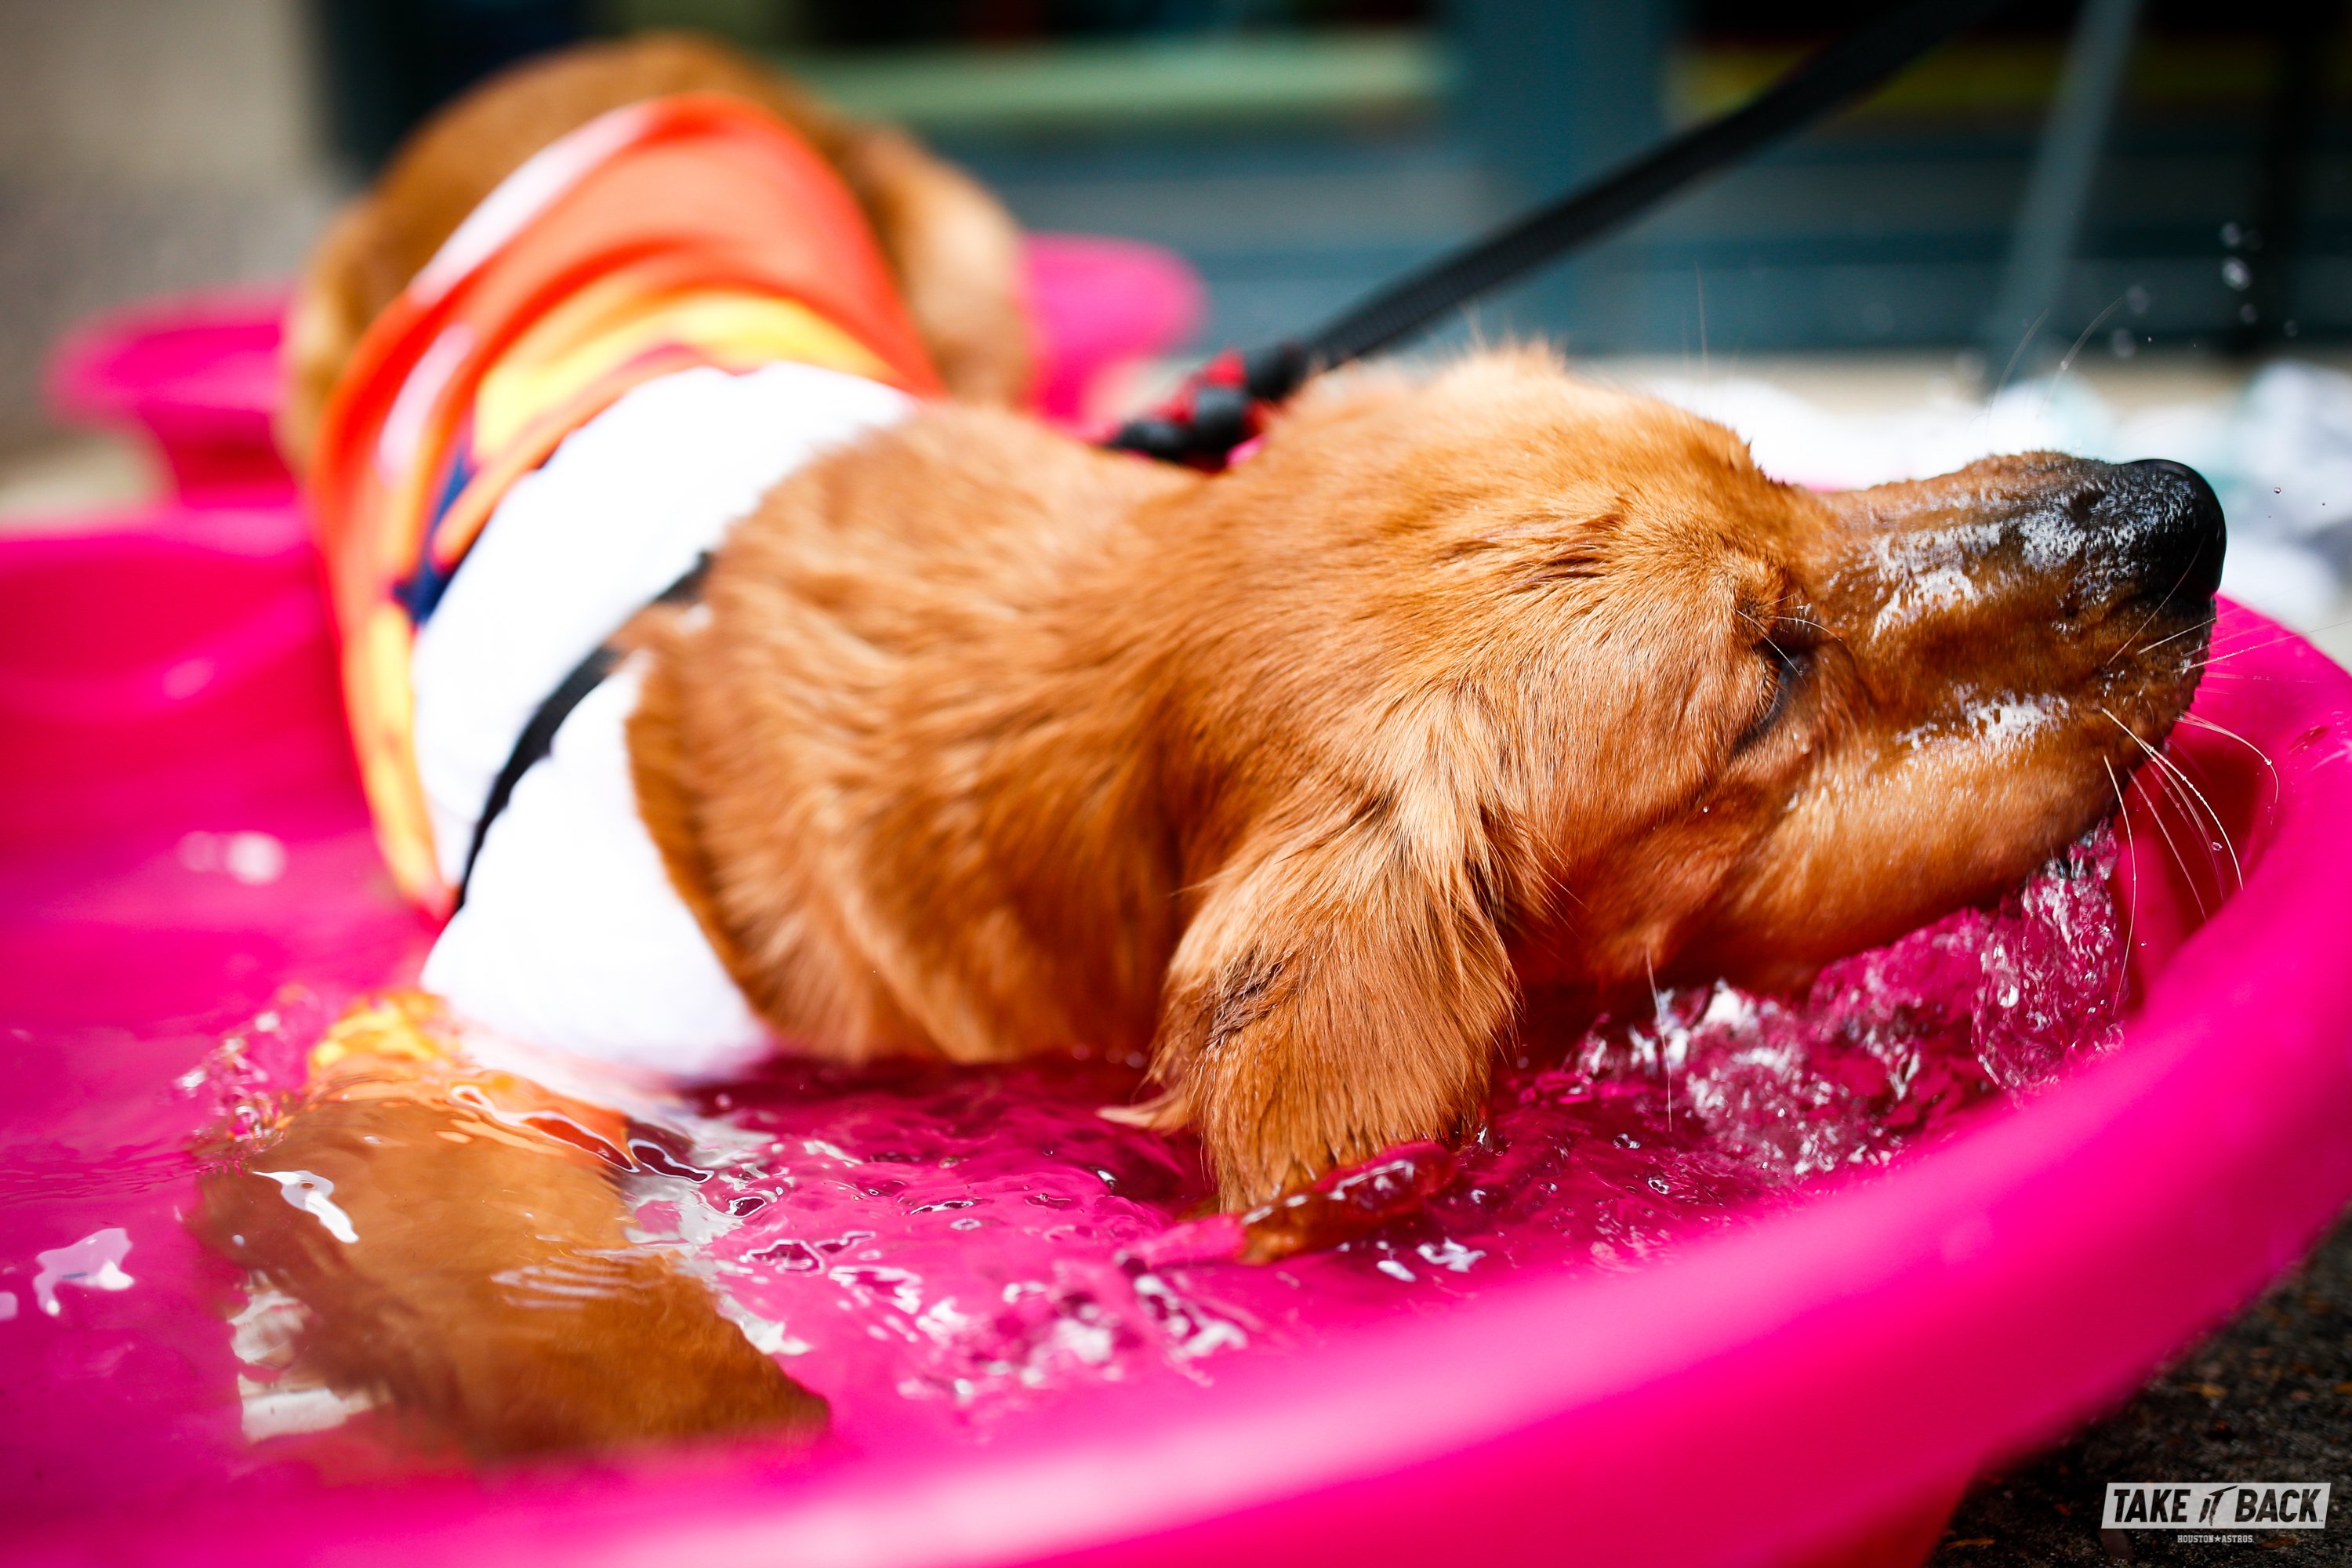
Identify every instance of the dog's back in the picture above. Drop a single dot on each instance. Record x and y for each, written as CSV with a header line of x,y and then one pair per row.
x,y
918,653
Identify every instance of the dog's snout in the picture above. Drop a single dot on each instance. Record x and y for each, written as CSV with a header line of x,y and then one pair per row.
x,y
2173,520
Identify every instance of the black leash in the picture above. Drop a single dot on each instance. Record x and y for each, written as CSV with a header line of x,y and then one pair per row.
x,y
1225,404
538,737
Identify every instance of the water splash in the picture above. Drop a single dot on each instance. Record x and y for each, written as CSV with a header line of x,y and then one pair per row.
x,y
93,1263
314,1195
942,1247
971,1239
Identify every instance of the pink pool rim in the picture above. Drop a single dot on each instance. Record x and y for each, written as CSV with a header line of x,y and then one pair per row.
x,y
1816,1388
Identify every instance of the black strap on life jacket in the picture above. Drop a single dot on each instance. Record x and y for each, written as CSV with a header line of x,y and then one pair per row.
x,y
538,737
1226,402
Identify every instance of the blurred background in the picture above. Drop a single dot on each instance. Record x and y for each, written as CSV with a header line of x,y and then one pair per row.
x,y
2132,222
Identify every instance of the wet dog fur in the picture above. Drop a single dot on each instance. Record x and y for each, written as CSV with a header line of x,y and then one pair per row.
x,y
1296,779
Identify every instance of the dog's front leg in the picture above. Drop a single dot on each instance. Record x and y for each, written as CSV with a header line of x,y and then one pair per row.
x,y
477,1278
1338,991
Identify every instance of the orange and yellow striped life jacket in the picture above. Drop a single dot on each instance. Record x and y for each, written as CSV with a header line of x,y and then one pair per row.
x,y
677,233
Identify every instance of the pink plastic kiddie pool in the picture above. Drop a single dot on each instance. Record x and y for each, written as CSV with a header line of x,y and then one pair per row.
x,y
181,839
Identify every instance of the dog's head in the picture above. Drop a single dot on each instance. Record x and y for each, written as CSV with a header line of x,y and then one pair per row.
x,y
1737,726
1964,670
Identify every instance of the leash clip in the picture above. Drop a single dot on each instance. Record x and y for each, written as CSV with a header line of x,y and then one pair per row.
x,y
1223,404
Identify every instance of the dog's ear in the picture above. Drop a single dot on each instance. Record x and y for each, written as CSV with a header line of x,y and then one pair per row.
x,y
1338,991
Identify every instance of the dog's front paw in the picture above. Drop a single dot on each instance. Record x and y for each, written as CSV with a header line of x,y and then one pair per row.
x,y
1338,994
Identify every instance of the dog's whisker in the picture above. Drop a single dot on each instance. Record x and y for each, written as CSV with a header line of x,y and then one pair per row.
x,y
2204,723
2220,829
2067,364
2217,655
2169,636
2188,800
2148,619
2024,342
2221,656
2180,803
2198,811
2174,782
2131,904
2156,814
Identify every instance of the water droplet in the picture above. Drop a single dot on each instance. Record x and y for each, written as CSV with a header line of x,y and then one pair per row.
x,y
314,1195
256,859
93,1263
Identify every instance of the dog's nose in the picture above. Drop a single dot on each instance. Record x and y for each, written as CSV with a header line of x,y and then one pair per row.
x,y
2173,519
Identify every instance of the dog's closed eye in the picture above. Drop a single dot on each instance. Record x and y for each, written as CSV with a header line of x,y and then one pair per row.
x,y
1787,651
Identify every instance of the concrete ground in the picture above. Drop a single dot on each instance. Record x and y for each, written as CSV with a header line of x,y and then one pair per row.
x,y
2268,1398
55,479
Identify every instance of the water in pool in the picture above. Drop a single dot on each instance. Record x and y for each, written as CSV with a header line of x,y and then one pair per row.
x,y
944,1252
940,1246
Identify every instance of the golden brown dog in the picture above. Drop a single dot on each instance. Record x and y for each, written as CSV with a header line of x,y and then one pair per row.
x,y
1297,778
